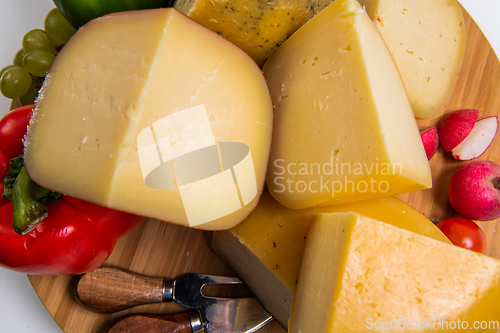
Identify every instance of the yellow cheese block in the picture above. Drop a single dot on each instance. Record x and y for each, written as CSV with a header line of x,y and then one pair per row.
x,y
344,129
151,113
359,275
266,249
427,40
258,27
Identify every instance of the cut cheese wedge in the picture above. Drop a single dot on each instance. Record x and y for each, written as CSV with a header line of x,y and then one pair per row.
x,y
151,113
359,274
258,27
266,249
344,129
427,40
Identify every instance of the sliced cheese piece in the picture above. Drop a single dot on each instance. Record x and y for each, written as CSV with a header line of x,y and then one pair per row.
x,y
359,274
344,129
151,113
427,40
266,249
258,27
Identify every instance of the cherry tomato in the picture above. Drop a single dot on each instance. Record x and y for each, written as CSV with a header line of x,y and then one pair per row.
x,y
13,128
464,233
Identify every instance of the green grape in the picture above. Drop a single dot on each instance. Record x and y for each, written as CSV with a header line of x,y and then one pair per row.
x,y
18,59
38,62
58,29
30,96
36,39
6,68
15,82
54,49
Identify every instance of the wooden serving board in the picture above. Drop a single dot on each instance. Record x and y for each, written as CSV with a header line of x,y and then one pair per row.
x,y
166,250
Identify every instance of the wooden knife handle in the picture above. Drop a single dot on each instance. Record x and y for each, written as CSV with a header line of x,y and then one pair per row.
x,y
109,289
150,323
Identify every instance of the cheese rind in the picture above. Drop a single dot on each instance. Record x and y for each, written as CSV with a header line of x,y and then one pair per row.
x,y
135,90
358,274
344,129
427,40
257,27
266,249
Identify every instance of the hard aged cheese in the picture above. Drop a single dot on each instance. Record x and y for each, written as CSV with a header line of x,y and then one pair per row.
x,y
427,40
258,27
151,113
359,274
266,249
344,129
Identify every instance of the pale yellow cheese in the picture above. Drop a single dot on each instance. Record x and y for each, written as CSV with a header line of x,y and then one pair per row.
x,y
256,26
127,76
427,40
344,129
360,275
266,249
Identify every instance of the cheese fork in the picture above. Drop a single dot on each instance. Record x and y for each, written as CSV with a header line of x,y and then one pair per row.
x,y
108,289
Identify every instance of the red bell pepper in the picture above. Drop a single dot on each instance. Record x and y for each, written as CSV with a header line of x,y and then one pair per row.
x,y
65,235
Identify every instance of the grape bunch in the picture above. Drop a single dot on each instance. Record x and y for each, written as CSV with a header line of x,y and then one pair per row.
x,y
25,76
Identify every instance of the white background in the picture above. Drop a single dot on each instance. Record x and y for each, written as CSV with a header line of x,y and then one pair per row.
x,y
20,309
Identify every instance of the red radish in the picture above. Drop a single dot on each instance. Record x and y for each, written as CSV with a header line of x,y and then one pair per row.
x,y
464,233
464,136
430,140
474,190
455,127
478,140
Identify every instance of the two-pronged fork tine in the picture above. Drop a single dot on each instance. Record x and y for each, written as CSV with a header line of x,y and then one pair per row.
x,y
186,290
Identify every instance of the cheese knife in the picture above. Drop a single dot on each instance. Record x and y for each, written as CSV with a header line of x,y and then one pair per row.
x,y
243,315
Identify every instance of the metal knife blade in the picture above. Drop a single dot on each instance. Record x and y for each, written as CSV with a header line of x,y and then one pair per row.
x,y
242,315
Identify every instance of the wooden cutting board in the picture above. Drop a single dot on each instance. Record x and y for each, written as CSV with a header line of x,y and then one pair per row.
x,y
165,250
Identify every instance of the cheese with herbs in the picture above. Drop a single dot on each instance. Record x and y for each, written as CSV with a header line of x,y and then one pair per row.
x,y
266,249
150,113
427,40
359,275
256,26
344,129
